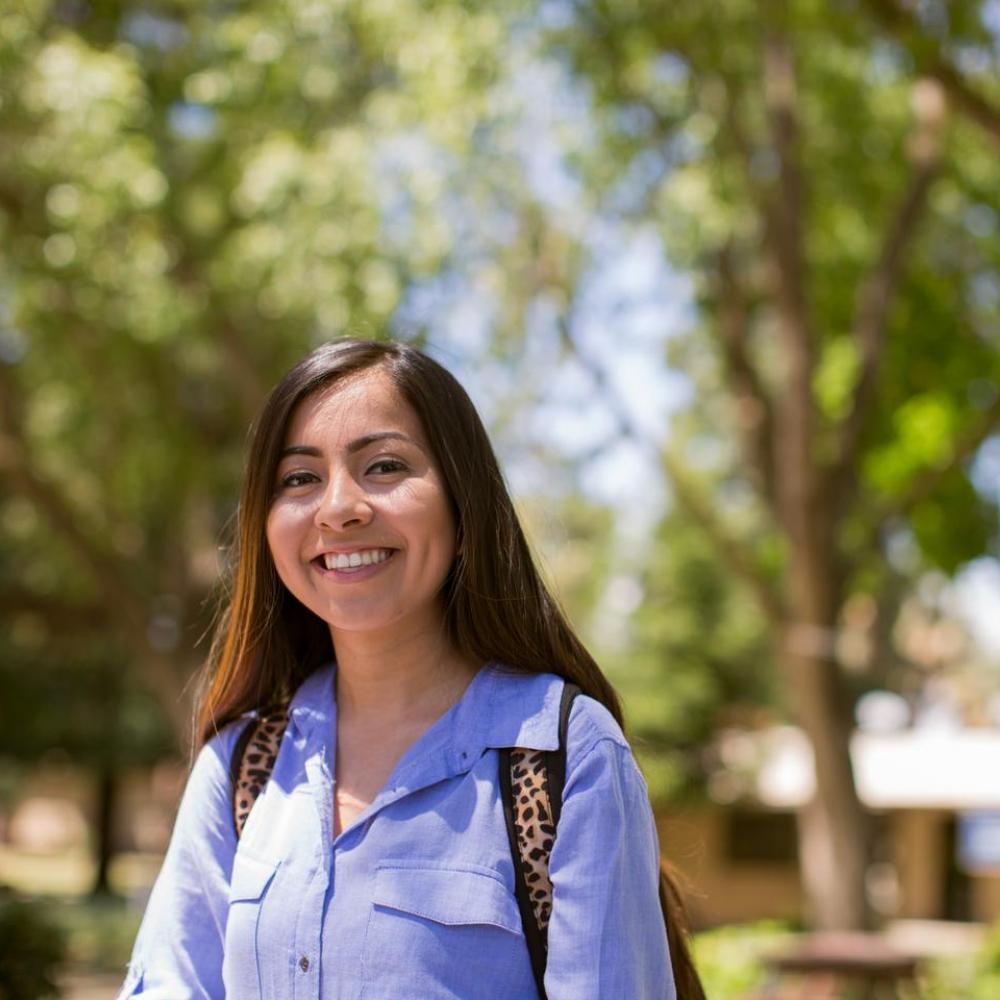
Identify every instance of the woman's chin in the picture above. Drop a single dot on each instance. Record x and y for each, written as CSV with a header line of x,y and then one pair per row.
x,y
396,623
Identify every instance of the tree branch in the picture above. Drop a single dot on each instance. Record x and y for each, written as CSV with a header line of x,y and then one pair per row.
x,y
785,215
878,289
230,341
14,461
731,549
110,575
796,481
754,410
930,59
972,104
59,613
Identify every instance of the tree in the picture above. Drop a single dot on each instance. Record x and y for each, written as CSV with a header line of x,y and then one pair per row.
x,y
85,704
832,193
697,660
191,195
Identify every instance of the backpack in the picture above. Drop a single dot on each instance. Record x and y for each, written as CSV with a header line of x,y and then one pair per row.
x,y
531,786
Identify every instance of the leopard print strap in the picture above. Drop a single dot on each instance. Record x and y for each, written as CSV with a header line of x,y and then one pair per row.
x,y
531,783
253,761
535,828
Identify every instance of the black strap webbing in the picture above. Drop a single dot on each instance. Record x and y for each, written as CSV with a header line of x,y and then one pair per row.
x,y
556,760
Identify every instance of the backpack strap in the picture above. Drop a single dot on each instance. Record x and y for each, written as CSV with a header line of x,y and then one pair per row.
x,y
531,783
252,762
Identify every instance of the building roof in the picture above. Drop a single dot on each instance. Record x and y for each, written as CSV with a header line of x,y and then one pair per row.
x,y
912,768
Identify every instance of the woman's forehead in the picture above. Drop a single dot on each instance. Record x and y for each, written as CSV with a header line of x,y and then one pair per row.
x,y
360,405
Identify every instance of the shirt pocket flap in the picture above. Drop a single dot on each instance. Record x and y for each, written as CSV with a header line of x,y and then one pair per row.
x,y
448,896
251,878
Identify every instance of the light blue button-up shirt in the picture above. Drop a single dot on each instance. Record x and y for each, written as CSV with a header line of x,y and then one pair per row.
x,y
415,899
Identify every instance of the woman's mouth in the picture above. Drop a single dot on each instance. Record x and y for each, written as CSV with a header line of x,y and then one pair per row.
x,y
350,563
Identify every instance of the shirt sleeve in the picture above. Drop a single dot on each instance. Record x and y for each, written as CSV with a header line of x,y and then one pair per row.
x,y
606,934
178,951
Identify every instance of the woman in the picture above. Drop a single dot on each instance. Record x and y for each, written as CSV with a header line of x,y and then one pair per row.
x,y
384,588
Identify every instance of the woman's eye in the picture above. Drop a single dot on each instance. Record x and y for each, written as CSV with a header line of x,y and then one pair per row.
x,y
385,466
294,479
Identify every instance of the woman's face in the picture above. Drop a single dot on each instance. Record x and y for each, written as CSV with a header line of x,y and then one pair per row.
x,y
361,529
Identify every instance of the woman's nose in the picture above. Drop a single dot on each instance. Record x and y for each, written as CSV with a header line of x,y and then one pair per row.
x,y
343,504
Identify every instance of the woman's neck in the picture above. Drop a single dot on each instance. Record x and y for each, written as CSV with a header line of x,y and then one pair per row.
x,y
403,677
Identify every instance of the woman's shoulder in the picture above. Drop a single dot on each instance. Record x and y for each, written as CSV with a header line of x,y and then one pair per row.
x,y
540,696
591,723
599,758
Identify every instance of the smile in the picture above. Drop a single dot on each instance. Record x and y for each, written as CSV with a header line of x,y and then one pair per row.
x,y
353,562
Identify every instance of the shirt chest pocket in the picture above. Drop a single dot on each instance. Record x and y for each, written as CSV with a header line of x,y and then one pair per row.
x,y
444,932
247,894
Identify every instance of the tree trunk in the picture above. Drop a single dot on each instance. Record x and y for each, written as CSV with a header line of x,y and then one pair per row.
x,y
107,797
833,826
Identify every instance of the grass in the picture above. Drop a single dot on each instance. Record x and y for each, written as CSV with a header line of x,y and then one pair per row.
x,y
99,930
729,960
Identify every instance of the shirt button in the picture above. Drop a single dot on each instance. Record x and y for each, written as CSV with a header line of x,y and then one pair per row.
x,y
304,963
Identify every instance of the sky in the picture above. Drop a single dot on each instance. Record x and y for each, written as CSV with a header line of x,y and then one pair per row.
x,y
976,593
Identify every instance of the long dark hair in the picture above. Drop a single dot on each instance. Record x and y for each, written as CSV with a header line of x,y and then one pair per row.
x,y
496,606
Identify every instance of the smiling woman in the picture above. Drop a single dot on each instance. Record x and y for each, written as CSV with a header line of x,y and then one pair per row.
x,y
413,778
361,528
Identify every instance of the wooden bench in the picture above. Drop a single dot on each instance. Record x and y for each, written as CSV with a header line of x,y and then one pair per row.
x,y
840,966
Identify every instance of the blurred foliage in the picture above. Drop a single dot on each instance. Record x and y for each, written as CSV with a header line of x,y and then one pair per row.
x,y
729,959
41,939
682,142
575,538
193,194
89,707
699,658
99,932
685,146
32,950
972,977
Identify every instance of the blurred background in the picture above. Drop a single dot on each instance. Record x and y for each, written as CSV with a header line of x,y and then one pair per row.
x,y
724,281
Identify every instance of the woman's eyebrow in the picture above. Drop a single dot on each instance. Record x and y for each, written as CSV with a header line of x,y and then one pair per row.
x,y
363,442
356,445
300,449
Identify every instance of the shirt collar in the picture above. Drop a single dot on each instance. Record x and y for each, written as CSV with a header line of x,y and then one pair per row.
x,y
501,707
506,707
313,702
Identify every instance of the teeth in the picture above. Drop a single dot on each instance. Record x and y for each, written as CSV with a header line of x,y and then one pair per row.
x,y
342,561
